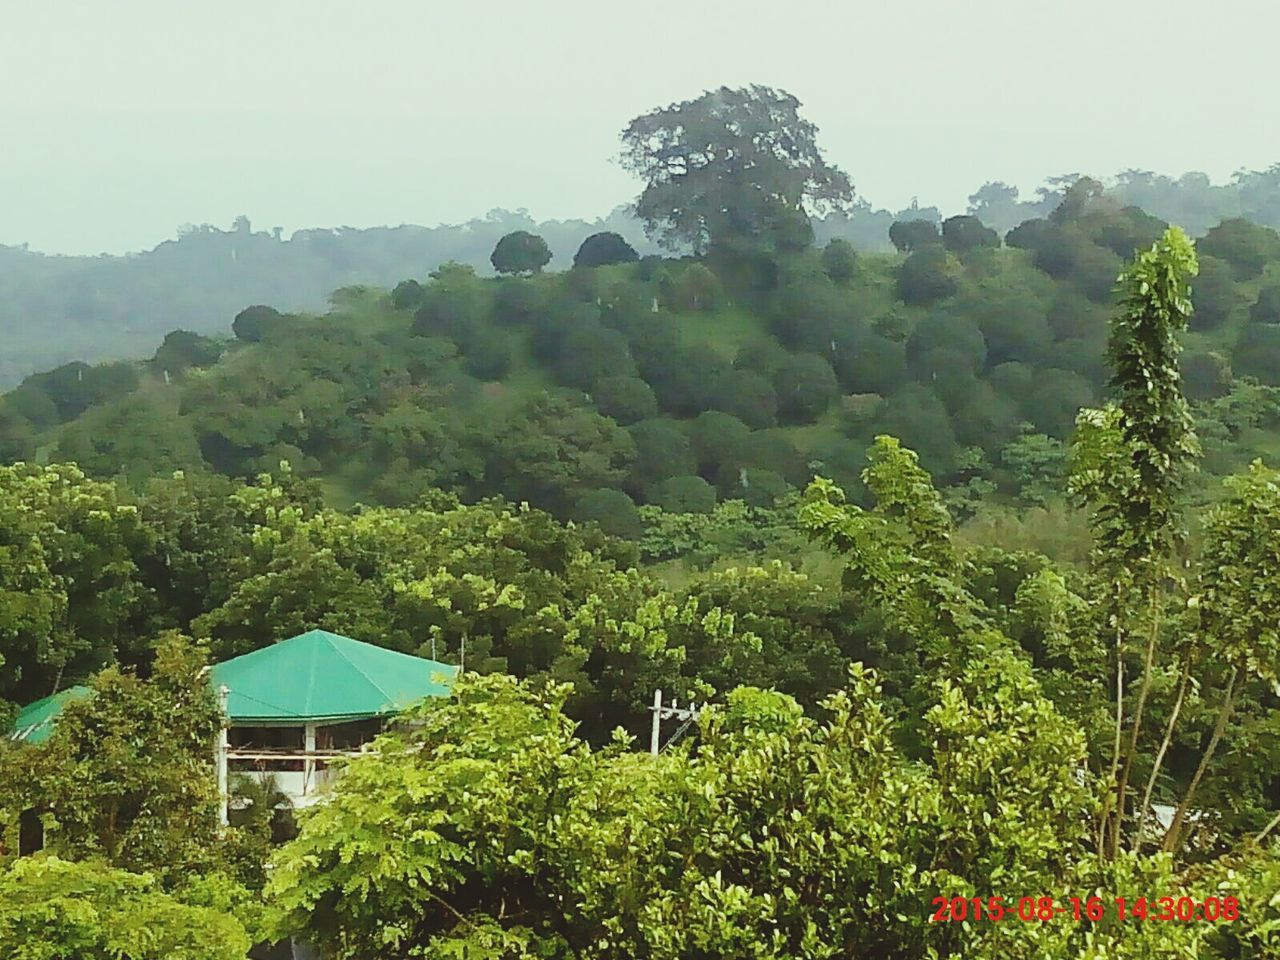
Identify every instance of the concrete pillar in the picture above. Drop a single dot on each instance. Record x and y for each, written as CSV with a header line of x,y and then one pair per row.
x,y
309,764
221,760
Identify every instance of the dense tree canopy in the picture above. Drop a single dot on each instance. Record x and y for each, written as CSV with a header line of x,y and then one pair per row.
x,y
53,909
883,693
911,235
602,249
387,397
520,252
965,233
731,167
252,324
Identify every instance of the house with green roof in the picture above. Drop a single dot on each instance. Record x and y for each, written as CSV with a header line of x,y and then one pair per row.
x,y
295,706
291,708
34,722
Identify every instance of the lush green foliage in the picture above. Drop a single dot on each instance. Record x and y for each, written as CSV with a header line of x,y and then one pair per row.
x,y
51,909
516,387
128,774
951,717
520,252
603,249
505,588
780,835
731,168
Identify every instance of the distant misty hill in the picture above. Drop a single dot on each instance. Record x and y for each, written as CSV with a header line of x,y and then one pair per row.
x,y
54,309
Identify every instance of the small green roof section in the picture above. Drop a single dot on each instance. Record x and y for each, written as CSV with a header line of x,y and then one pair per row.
x,y
35,721
321,677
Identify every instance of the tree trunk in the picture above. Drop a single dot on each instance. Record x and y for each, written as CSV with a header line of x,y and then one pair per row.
x,y
1144,687
1171,838
1183,681
1111,818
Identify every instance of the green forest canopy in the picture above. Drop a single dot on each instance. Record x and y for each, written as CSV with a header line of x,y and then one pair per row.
x,y
109,307
918,712
680,382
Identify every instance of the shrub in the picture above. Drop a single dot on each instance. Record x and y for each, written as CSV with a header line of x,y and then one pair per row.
x,y
805,386
602,249
686,494
965,233
407,295
716,438
746,395
662,450
756,486
613,510
686,382
840,261
1247,246
866,361
517,301
1257,353
763,356
1213,293
626,399
1206,376
591,353
911,235
1266,309
520,252
926,277
182,350
253,323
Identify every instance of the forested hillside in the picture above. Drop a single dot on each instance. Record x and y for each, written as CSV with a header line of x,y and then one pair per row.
x,y
56,309
872,742
627,381
967,548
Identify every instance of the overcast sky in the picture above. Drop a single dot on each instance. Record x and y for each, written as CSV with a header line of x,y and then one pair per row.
x,y
122,121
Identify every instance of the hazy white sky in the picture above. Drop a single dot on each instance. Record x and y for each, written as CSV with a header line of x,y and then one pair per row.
x,y
123,120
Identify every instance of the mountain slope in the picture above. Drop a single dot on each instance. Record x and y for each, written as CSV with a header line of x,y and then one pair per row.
x,y
677,382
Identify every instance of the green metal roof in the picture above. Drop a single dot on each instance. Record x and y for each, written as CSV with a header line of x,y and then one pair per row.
x,y
323,677
35,720
317,677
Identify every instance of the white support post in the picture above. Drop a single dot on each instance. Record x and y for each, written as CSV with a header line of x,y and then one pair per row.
x,y
309,762
221,756
655,734
671,711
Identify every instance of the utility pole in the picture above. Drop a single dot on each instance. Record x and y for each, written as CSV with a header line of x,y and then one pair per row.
x,y
671,711
655,733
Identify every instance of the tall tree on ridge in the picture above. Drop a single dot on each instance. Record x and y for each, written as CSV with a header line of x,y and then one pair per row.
x,y
732,167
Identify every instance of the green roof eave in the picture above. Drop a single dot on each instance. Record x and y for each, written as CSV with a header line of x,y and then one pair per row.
x,y
322,677
34,722
315,678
